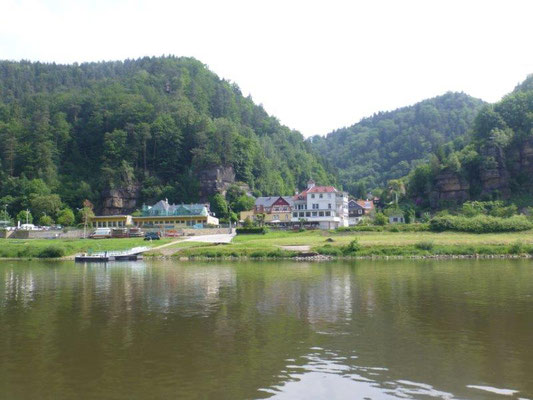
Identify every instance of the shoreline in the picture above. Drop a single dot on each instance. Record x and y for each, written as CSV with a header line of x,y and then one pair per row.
x,y
311,258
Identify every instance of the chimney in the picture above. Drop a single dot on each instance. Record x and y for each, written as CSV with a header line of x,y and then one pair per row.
x,y
310,184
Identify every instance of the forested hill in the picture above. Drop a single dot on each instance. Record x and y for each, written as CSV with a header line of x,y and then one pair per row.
x,y
389,144
496,162
76,130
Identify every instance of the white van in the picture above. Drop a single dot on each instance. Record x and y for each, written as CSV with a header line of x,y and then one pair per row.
x,y
101,233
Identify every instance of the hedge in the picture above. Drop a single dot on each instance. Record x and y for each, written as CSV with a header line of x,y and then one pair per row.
x,y
253,230
480,224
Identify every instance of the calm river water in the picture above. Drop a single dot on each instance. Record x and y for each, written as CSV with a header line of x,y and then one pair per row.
x,y
359,330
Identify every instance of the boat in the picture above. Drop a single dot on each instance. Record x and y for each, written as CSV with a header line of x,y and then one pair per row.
x,y
105,256
91,258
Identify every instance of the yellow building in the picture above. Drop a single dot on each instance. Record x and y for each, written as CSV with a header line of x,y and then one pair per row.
x,y
171,216
111,221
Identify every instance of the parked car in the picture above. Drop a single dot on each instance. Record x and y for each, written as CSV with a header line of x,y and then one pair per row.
x,y
151,236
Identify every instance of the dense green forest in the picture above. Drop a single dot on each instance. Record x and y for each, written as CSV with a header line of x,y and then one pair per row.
x,y
389,145
68,132
495,162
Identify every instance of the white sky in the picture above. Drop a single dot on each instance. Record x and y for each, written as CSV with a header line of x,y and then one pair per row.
x,y
315,65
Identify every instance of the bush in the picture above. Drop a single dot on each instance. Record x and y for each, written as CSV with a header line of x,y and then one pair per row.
x,y
353,247
517,248
257,230
389,228
380,219
480,224
329,250
51,252
425,245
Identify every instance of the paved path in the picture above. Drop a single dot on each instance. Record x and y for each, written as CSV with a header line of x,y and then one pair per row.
x,y
220,238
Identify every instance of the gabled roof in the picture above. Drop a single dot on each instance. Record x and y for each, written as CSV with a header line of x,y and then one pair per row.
x,y
315,189
163,208
270,200
366,204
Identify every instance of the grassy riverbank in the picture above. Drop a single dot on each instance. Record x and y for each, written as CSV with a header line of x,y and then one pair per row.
x,y
367,244
46,248
293,244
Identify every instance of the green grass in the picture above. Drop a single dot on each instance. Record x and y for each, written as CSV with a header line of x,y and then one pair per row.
x,y
380,244
369,244
45,248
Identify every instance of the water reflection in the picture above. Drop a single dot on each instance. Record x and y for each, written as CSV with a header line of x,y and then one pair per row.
x,y
254,330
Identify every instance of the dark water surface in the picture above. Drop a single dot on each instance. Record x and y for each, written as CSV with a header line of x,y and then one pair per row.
x,y
168,330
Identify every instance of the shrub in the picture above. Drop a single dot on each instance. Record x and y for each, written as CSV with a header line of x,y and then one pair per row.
x,y
353,247
257,230
480,224
51,252
425,245
516,248
329,250
380,219
389,228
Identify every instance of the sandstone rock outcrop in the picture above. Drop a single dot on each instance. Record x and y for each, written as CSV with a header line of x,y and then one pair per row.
x,y
120,201
494,174
450,188
216,179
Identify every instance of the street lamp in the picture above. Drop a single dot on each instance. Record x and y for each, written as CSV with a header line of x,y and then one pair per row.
x,y
84,216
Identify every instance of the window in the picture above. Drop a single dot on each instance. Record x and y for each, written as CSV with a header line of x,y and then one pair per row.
x,y
360,211
313,196
315,206
301,214
307,214
328,213
314,214
321,214
329,206
295,214
395,219
321,195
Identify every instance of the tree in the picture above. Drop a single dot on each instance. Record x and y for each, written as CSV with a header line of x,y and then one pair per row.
x,y
66,217
25,217
380,219
45,204
4,215
396,188
260,218
46,220
243,203
219,206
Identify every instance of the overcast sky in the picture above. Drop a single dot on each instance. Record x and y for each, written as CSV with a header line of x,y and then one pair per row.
x,y
315,65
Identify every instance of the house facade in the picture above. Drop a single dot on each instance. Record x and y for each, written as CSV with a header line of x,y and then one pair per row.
x,y
276,210
357,209
323,207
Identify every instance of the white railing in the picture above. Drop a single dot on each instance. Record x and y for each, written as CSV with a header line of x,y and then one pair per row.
x,y
135,250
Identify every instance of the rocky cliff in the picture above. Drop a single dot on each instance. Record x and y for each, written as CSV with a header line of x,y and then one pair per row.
x,y
215,179
120,201
450,188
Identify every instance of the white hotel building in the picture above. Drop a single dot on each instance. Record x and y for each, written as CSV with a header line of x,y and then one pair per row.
x,y
322,206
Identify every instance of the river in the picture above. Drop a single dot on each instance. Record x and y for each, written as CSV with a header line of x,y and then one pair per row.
x,y
458,329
